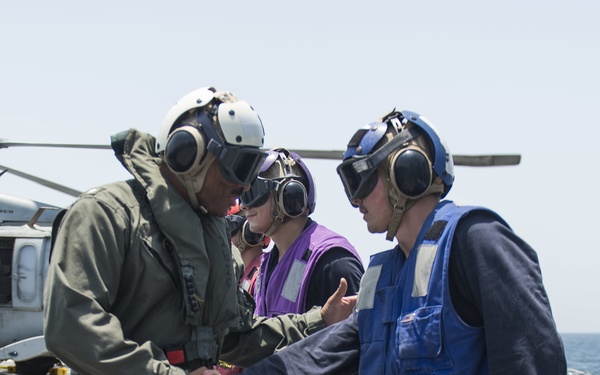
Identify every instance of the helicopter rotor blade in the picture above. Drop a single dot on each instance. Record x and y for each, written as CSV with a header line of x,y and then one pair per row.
x,y
320,154
6,144
462,160
486,160
41,181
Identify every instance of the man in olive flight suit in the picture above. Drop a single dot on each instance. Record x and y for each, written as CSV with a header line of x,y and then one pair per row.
x,y
141,279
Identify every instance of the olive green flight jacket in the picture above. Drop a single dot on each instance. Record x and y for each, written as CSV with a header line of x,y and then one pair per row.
x,y
114,299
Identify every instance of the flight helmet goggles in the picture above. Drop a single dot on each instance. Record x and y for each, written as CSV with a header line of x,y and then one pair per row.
x,y
358,170
294,192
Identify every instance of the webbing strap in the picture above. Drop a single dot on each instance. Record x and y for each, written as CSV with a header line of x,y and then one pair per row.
x,y
200,347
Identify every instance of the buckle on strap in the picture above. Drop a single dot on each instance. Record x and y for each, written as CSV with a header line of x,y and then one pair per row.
x,y
199,348
176,355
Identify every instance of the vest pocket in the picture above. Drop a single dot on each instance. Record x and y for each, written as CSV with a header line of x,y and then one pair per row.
x,y
419,341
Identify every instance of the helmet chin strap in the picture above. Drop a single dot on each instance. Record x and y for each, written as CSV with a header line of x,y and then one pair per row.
x,y
401,203
398,201
276,215
193,183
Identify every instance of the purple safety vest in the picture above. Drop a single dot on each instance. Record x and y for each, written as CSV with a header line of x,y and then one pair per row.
x,y
288,284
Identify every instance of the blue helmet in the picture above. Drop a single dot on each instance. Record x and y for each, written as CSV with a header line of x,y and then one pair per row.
x,y
412,169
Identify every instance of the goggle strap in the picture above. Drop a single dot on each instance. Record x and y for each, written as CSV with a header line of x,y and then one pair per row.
x,y
215,147
208,127
206,123
380,155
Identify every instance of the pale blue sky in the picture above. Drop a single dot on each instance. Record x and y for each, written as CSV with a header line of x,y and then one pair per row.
x,y
509,77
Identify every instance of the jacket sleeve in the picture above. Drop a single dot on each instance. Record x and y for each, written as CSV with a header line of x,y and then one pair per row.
x,y
498,284
334,350
258,337
82,283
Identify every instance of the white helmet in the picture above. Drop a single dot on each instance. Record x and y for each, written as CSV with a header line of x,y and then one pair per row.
x,y
221,124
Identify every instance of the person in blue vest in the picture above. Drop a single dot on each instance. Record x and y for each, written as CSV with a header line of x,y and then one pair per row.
x,y
307,260
460,293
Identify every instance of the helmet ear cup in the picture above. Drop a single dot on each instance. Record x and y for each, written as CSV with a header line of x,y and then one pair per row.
x,y
251,238
411,171
292,198
185,149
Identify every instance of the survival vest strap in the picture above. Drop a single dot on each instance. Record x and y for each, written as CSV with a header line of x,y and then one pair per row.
x,y
195,353
204,347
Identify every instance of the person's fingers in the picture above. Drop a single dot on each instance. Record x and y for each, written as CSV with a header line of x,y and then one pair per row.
x,y
350,301
341,290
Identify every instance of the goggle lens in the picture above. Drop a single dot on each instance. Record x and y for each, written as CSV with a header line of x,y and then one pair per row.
x,y
356,185
258,194
359,172
241,165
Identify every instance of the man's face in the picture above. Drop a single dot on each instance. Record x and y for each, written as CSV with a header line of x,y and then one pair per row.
x,y
218,193
259,218
375,208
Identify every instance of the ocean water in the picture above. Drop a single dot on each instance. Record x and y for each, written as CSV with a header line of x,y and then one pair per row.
x,y
583,351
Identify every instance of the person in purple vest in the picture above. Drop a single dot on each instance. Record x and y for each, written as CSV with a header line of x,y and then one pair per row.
x,y
308,260
460,293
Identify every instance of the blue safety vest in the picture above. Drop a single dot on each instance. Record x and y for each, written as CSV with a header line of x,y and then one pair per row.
x,y
407,324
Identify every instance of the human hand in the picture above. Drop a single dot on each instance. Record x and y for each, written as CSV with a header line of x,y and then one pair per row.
x,y
338,307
